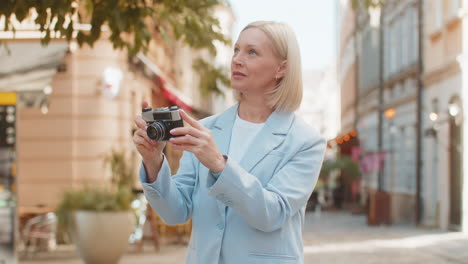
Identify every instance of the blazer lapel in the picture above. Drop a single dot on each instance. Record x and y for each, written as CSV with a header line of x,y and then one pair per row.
x,y
222,129
270,137
221,132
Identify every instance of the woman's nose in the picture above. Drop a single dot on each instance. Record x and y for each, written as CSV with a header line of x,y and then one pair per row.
x,y
236,60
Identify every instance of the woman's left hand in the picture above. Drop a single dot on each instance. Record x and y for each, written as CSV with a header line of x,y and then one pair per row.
x,y
198,140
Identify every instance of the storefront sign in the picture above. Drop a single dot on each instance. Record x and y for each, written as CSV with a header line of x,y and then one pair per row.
x,y
7,98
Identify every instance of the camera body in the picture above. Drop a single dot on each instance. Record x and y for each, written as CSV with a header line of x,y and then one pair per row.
x,y
160,121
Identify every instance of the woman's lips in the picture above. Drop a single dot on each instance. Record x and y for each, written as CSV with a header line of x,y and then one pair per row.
x,y
238,75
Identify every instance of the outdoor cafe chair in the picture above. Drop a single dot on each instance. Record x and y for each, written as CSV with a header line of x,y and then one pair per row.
x,y
39,233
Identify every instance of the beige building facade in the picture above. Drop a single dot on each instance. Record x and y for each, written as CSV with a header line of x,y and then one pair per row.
x,y
444,191
65,146
445,81
347,67
85,107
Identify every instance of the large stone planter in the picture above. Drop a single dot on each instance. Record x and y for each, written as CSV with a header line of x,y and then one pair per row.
x,y
102,237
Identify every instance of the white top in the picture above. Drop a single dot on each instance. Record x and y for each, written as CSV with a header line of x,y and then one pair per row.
x,y
243,132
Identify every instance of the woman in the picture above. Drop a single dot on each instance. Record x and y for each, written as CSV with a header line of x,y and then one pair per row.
x,y
247,173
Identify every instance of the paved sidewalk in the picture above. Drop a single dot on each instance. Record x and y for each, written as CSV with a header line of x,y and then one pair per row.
x,y
5,253
340,237
331,237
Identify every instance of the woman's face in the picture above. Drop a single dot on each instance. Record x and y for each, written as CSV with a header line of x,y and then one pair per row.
x,y
254,66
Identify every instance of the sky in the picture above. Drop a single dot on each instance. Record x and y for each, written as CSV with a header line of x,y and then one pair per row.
x,y
314,22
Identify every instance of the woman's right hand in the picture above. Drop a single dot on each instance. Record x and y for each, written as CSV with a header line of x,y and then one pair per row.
x,y
150,150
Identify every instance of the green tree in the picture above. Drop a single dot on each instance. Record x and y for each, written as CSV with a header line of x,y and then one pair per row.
x,y
367,3
349,169
131,23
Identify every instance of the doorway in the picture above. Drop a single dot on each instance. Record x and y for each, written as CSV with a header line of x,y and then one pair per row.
x,y
455,165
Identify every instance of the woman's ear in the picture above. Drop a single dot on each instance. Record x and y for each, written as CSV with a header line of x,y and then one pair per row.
x,y
282,69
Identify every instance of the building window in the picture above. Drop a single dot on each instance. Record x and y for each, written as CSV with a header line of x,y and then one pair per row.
x,y
386,51
435,106
435,160
393,131
396,91
415,34
438,14
404,39
393,53
399,29
409,146
401,160
392,92
455,6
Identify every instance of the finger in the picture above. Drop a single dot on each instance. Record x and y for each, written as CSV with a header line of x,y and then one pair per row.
x,y
140,142
139,138
186,131
190,120
144,105
185,140
189,148
140,122
142,146
142,133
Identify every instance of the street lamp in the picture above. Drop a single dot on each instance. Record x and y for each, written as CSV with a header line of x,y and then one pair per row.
x,y
390,114
453,109
454,112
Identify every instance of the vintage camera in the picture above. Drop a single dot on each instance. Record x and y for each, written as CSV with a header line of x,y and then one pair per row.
x,y
160,121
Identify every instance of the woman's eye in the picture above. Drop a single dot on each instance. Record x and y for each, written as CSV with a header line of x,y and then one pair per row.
x,y
236,50
252,52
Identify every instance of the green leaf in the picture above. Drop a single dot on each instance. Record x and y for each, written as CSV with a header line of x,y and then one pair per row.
x,y
211,77
349,168
191,21
367,3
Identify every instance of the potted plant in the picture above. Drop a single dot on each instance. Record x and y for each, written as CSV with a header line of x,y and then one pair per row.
x,y
99,220
345,172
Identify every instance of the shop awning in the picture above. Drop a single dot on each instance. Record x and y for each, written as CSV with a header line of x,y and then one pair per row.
x,y
28,67
170,92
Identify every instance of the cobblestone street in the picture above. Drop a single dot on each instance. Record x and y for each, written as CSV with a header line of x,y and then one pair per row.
x,y
331,237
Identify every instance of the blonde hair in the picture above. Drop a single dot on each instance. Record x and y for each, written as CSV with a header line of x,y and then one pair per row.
x,y
287,94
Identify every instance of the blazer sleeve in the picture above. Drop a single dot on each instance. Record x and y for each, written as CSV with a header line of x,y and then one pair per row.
x,y
267,208
171,196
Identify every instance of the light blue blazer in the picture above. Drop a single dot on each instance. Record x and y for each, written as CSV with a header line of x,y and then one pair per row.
x,y
254,211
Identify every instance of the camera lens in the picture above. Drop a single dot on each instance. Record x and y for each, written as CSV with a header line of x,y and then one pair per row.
x,y
156,131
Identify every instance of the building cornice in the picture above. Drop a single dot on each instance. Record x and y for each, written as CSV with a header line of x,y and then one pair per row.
x,y
401,101
367,111
365,93
347,109
407,72
442,72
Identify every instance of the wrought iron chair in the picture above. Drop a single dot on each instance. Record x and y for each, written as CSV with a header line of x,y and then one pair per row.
x,y
39,233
